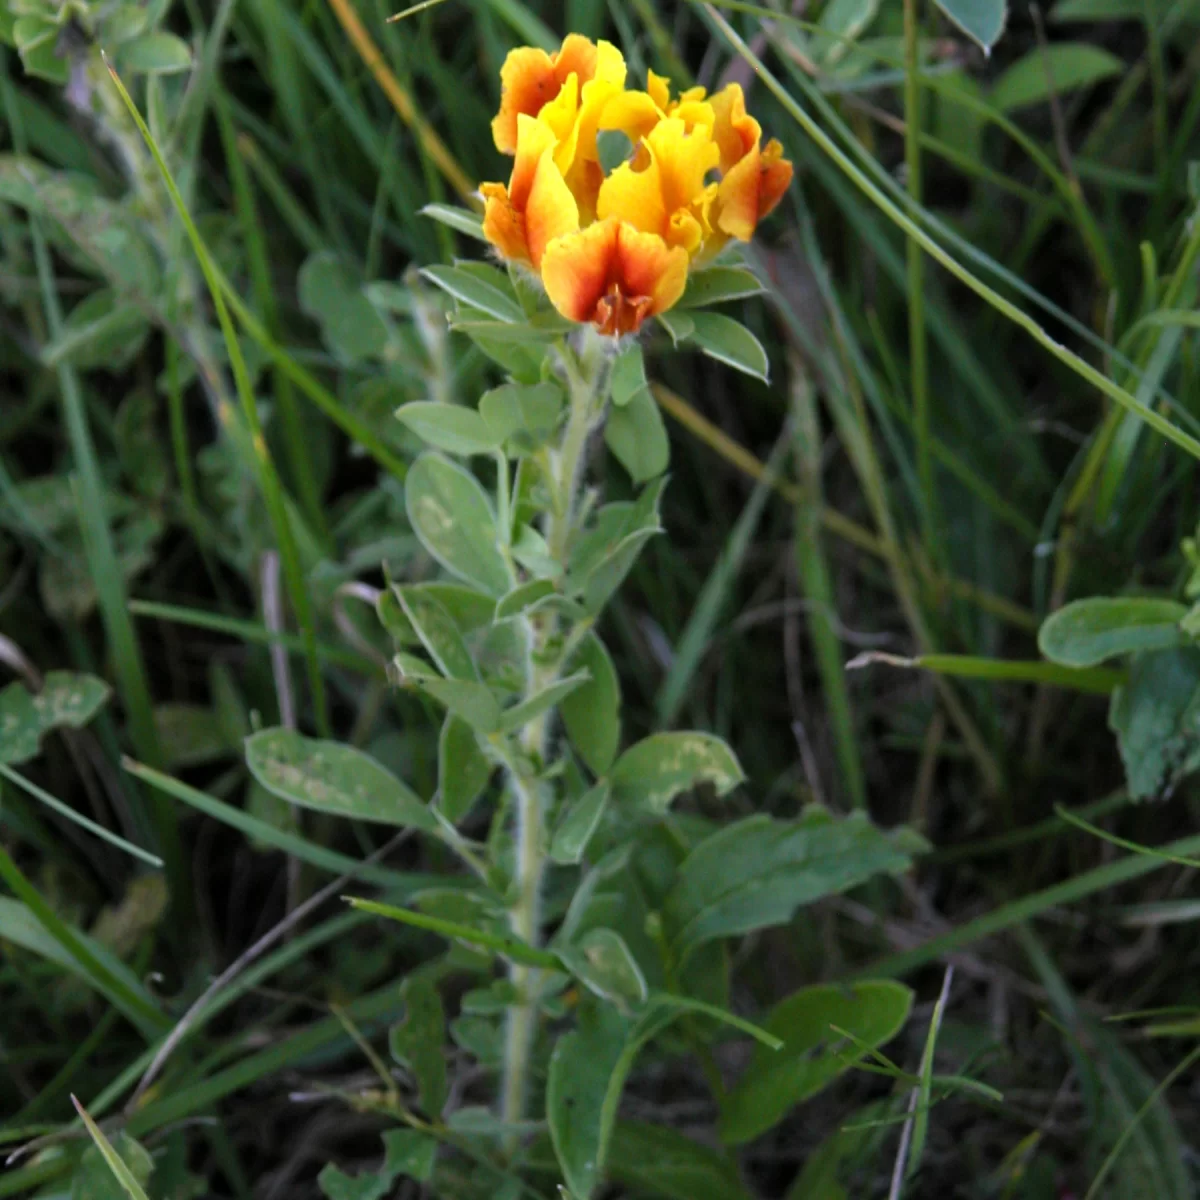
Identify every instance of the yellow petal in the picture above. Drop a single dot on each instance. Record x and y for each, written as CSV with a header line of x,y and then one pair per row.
x,y
659,89
530,79
684,158
552,210
735,131
635,196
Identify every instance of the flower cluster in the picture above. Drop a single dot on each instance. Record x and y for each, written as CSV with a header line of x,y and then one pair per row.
x,y
614,248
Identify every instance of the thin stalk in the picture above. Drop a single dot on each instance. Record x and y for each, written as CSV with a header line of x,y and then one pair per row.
x,y
528,797
917,343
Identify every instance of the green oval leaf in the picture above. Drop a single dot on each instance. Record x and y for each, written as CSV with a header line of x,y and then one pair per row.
x,y
449,427
156,54
454,520
730,342
601,960
1053,70
651,774
981,20
494,299
580,820
463,769
66,698
437,632
1087,632
460,219
334,778
592,713
719,285
524,416
628,375
637,437
332,294
813,1052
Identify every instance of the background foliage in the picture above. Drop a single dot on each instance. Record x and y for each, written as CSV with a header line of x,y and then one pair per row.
x,y
946,454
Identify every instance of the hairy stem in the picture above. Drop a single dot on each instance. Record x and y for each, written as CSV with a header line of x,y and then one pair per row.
x,y
583,378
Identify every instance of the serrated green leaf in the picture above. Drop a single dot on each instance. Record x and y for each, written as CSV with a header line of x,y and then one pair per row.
x,y
649,775
334,778
454,520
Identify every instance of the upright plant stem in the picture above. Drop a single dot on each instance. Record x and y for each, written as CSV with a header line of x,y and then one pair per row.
x,y
918,352
528,790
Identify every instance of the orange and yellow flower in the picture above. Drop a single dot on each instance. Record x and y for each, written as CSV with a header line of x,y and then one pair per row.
x,y
614,249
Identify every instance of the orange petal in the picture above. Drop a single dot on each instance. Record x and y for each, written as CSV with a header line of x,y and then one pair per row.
x,y
534,138
526,83
552,210
576,56
575,269
751,190
735,131
503,225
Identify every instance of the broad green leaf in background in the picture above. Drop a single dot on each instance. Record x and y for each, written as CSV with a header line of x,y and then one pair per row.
x,y
582,1068
592,713
449,427
191,735
454,520
846,19
758,871
636,435
332,294
981,20
407,1152
334,778
100,331
730,342
1087,632
1156,717
662,1162
463,769
649,775
417,1041
1053,70
66,699
813,1054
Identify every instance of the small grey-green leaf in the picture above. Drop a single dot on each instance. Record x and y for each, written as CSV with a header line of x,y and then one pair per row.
x,y
473,702
1087,632
332,294
981,20
719,285
649,775
449,427
628,375
157,53
437,632
580,820
475,292
678,324
66,698
94,1178
522,415
334,778
463,768
460,219
454,520
523,596
527,710
813,1053
592,714
730,342
637,436
601,960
